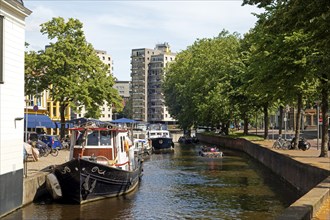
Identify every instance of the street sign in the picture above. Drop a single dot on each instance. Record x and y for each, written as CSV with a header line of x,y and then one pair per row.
x,y
35,108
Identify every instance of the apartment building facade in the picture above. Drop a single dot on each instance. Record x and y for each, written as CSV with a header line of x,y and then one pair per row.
x,y
147,75
124,89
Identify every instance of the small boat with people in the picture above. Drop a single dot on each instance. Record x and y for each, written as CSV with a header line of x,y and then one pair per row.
x,y
102,164
211,152
160,138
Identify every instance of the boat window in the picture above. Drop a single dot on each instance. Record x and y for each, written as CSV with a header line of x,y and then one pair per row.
x,y
105,138
93,138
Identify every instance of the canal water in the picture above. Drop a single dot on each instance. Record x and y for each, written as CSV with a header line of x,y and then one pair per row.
x,y
183,185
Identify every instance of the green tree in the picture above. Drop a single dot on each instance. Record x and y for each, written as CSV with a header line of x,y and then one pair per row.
x,y
71,70
303,24
197,83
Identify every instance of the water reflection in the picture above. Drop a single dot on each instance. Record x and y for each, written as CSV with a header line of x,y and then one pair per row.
x,y
183,185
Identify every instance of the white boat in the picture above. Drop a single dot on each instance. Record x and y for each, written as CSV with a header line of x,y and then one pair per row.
x,y
142,147
160,138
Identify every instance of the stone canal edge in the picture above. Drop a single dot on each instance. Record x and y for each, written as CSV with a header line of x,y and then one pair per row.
x,y
302,169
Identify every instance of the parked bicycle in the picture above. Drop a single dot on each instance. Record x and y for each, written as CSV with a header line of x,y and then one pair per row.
x,y
282,143
44,149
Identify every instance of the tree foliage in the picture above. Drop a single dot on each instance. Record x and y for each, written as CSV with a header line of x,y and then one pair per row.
x,y
282,61
70,69
197,83
300,27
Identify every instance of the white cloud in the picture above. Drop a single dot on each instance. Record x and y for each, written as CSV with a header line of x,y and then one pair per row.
x,y
39,15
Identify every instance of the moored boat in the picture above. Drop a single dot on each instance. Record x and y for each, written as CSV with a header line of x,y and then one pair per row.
x,y
161,140
102,164
142,147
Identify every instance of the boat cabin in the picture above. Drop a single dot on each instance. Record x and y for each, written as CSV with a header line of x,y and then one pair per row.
x,y
106,145
158,134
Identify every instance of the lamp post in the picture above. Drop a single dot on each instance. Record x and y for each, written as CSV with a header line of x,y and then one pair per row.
x,y
285,120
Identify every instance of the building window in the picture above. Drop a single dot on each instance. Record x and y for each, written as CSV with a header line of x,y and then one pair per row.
x,y
54,111
1,47
31,100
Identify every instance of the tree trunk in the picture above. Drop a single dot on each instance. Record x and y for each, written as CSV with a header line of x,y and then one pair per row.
x,y
62,114
325,123
227,127
280,120
246,124
266,120
298,121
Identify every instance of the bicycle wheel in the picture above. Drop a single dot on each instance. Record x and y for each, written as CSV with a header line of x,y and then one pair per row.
x,y
54,152
276,145
308,145
286,145
46,152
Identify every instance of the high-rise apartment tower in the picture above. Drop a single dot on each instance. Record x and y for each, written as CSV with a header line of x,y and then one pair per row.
x,y
147,74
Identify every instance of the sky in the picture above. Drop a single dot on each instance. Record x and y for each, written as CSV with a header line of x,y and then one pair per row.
x,y
120,26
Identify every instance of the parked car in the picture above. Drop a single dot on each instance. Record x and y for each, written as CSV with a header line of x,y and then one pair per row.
x,y
30,136
51,140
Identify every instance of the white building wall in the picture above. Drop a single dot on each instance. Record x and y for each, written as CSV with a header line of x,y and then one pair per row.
x,y
168,59
106,114
12,95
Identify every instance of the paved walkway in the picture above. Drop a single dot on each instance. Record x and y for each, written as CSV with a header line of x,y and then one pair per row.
x,y
310,156
34,167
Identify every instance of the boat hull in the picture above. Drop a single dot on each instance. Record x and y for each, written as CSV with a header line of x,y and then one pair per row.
x,y
162,143
82,180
